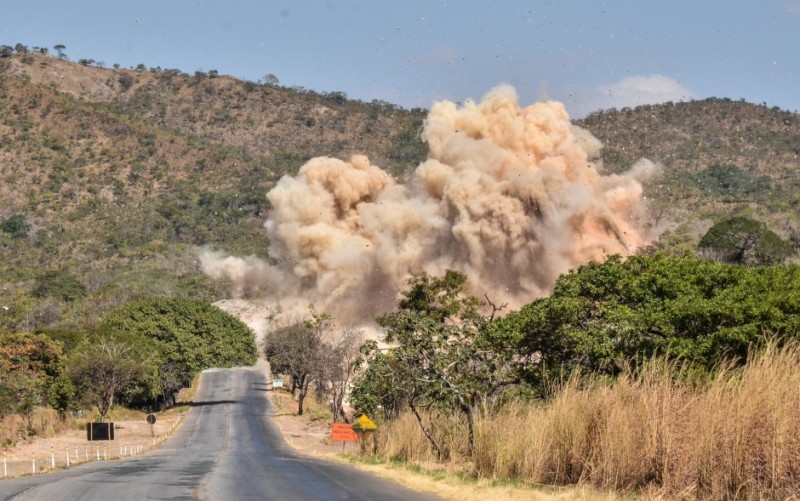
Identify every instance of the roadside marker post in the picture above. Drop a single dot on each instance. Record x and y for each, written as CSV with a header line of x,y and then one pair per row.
x,y
5,463
52,457
67,456
33,463
97,452
86,451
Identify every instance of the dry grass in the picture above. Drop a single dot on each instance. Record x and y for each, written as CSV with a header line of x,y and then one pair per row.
x,y
735,437
43,423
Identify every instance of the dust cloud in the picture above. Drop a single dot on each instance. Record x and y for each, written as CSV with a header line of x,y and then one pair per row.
x,y
510,196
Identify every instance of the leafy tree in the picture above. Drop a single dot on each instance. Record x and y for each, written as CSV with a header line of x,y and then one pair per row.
x,y
375,388
444,354
103,370
601,317
195,335
29,366
745,241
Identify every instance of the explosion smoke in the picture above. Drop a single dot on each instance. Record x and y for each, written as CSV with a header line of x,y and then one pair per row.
x,y
508,195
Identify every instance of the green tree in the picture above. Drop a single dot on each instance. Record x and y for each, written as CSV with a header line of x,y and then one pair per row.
x,y
30,364
103,370
193,334
602,317
444,354
745,241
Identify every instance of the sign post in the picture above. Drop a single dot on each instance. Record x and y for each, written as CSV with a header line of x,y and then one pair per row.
x,y
151,419
364,427
343,432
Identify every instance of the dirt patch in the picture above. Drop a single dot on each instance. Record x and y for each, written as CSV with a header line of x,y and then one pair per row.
x,y
308,434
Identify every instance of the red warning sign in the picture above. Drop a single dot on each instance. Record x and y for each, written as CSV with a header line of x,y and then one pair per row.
x,y
343,432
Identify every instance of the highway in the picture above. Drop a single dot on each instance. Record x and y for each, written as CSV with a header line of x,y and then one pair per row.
x,y
227,449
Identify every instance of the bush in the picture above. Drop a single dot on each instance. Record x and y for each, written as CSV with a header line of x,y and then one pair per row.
x,y
16,226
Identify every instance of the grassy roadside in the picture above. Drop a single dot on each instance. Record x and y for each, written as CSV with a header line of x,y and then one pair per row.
x,y
308,434
458,487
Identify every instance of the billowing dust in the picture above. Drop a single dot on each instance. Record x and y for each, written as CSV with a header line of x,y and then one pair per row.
x,y
510,196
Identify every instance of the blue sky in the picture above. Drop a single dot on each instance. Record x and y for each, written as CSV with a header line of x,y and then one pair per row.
x,y
587,54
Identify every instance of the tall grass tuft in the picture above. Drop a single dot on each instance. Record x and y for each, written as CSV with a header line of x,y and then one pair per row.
x,y
43,422
734,436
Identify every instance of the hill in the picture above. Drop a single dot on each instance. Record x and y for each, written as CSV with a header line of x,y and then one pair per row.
x,y
112,178
720,158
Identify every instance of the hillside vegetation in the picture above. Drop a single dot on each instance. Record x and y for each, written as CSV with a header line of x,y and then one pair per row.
x,y
113,178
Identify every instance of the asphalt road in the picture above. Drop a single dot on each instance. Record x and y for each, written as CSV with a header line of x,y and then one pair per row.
x,y
227,449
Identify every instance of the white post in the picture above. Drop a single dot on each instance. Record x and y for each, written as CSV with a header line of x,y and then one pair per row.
x,y
67,457
76,451
33,463
52,458
5,463
105,452
86,452
97,451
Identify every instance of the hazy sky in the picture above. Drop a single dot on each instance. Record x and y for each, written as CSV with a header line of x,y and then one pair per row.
x,y
587,54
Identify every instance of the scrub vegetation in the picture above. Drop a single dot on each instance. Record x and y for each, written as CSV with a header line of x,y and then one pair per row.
x,y
671,373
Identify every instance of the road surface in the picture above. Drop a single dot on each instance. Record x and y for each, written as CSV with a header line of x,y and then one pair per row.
x,y
227,449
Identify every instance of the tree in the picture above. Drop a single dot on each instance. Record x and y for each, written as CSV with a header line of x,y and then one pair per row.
x,y
103,370
744,241
21,49
193,334
340,360
59,48
177,338
444,354
375,388
297,350
29,363
270,79
602,317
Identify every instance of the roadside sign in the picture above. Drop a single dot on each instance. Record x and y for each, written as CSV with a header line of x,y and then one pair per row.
x,y
364,423
151,418
343,432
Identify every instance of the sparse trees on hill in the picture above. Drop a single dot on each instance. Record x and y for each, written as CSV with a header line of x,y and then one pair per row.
x,y
59,48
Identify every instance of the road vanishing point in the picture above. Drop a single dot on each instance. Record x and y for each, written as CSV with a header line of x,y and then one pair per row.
x,y
227,449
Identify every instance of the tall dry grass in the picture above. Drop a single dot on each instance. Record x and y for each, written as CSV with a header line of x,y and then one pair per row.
x,y
736,436
43,422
